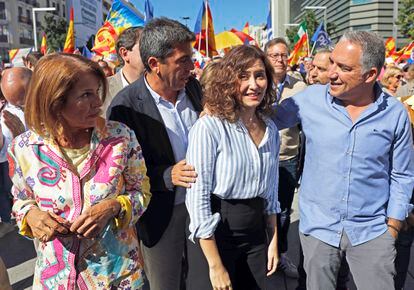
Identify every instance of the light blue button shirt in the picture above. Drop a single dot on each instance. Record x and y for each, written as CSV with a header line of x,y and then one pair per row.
x,y
355,174
178,119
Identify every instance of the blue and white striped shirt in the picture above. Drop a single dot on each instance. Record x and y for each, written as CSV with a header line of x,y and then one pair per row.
x,y
230,166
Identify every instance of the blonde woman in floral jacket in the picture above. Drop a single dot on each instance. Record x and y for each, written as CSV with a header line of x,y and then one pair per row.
x,y
79,183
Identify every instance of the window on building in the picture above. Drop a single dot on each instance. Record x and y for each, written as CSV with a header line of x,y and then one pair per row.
x,y
28,16
20,9
366,27
356,2
58,7
2,11
63,10
47,3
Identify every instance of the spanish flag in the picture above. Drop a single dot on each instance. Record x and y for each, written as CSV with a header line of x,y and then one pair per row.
x,y
120,17
204,30
70,37
43,45
389,46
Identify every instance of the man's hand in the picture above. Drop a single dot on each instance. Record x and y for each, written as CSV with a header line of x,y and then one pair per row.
x,y
183,174
14,124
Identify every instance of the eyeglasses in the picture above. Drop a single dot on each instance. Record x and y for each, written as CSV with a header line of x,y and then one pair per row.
x,y
399,77
282,56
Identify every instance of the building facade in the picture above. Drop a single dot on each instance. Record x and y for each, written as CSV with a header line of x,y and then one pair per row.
x,y
368,15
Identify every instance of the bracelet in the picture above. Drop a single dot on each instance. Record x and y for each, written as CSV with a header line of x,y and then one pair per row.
x,y
393,227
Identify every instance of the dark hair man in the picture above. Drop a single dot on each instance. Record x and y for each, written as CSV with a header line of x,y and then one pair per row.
x,y
161,107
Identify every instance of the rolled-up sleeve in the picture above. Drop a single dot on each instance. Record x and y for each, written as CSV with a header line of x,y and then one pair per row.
x,y
23,197
137,188
402,171
272,200
201,153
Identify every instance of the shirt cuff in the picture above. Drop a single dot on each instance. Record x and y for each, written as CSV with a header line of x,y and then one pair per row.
x,y
205,229
24,228
123,222
398,211
167,178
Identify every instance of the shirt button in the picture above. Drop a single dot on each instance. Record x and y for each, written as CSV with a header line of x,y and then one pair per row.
x,y
348,152
343,199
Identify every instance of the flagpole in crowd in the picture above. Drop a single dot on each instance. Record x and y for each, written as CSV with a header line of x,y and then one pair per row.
x,y
207,32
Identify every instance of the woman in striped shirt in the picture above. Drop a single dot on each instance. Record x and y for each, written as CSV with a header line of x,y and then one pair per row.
x,y
235,151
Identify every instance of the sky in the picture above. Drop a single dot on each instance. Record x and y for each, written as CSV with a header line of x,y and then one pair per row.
x,y
227,14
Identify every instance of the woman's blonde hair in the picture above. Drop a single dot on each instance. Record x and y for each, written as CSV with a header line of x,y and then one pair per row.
x,y
390,72
54,76
222,89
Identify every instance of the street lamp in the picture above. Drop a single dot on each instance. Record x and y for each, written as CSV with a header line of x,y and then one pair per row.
x,y
34,10
185,18
324,8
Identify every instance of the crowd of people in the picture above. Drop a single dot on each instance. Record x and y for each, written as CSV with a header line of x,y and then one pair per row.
x,y
155,177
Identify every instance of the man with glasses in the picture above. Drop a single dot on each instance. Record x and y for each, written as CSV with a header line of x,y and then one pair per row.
x,y
277,52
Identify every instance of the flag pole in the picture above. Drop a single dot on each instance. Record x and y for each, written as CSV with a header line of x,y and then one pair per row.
x,y
313,47
199,35
402,54
207,32
308,40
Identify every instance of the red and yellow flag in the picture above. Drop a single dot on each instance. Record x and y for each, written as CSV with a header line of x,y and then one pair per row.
x,y
43,45
204,30
300,50
404,53
389,46
70,37
246,28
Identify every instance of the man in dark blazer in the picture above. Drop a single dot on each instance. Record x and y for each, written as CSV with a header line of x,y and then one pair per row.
x,y
161,108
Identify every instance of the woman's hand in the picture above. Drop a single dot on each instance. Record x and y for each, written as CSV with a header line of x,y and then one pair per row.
x,y
272,250
219,277
91,223
45,225
272,256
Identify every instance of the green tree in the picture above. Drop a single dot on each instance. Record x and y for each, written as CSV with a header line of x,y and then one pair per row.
x,y
406,18
55,30
311,24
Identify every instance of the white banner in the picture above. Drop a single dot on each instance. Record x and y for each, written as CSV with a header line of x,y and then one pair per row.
x,y
88,19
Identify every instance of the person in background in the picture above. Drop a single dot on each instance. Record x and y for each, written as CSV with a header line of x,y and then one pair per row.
x,y
358,176
127,48
14,85
79,183
31,59
391,79
318,74
105,67
234,150
407,89
161,107
285,86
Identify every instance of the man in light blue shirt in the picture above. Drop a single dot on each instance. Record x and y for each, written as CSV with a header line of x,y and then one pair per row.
x,y
359,167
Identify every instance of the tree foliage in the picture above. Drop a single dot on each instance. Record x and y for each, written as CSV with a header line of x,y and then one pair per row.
x,y
311,24
406,18
55,29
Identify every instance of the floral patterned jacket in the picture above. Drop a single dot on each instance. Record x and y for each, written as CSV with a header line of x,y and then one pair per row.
x,y
43,178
